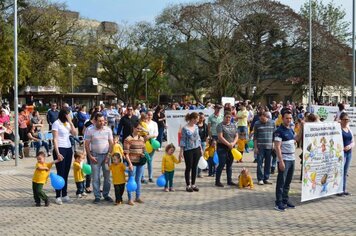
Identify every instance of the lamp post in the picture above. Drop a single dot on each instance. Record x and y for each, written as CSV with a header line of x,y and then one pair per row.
x,y
125,88
145,71
310,55
72,66
16,97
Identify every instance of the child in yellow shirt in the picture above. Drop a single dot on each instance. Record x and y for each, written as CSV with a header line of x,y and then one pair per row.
x,y
117,147
168,165
209,156
241,143
78,173
40,178
117,168
245,179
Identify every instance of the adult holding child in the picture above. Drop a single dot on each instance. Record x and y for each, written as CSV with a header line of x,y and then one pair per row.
x,y
191,150
227,139
62,128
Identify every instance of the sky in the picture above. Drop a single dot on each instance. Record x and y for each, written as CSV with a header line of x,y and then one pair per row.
x,y
131,11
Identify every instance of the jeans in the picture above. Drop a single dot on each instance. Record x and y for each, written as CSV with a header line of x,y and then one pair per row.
x,y
63,168
80,187
347,162
96,175
149,167
243,129
119,191
137,172
203,146
38,193
284,179
191,159
40,144
211,166
169,178
263,155
225,157
160,135
274,159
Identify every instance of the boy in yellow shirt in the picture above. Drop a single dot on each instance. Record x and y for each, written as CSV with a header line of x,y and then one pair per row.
x,y
117,168
78,174
168,165
241,143
117,147
245,179
209,156
40,178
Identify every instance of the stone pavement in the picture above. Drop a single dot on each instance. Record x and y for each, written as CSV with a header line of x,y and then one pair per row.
x,y
212,211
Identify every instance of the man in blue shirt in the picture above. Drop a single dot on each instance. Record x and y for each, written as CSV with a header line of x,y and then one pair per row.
x,y
284,142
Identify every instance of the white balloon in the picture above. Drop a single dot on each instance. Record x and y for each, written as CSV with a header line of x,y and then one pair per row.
x,y
202,164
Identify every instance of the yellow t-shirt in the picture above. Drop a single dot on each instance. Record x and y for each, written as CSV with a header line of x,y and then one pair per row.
x,y
117,148
168,162
78,173
118,173
242,121
279,120
144,131
241,144
41,176
209,152
245,181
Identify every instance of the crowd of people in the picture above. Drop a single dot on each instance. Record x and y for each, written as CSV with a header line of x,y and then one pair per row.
x,y
115,140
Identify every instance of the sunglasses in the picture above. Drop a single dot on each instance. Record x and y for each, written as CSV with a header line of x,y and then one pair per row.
x,y
345,119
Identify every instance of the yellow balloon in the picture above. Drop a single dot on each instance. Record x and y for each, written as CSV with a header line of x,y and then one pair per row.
x,y
148,146
236,154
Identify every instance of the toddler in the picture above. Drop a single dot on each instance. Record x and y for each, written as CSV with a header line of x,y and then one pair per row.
x,y
117,147
241,143
40,178
78,173
117,168
245,179
168,165
209,156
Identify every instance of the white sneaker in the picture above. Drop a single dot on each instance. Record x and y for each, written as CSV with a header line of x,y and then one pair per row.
x,y
84,194
79,195
1,160
59,201
6,158
260,182
66,199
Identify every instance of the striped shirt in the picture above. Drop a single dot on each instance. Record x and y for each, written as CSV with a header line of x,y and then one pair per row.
x,y
99,139
263,134
134,148
286,136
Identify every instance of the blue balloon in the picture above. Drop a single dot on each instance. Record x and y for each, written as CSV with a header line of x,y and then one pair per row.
x,y
131,184
57,181
216,158
161,181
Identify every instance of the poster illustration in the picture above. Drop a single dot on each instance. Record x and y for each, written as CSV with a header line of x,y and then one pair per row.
x,y
323,160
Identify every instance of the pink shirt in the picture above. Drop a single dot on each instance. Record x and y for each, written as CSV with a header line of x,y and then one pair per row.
x,y
4,119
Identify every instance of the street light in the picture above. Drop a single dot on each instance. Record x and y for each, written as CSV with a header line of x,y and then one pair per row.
x,y
126,86
145,71
310,55
72,66
16,96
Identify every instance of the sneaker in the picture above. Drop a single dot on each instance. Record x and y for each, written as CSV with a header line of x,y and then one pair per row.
x,y
267,182
108,199
1,160
138,200
49,154
38,204
150,180
255,161
6,158
79,195
195,188
189,189
84,194
166,190
260,182
131,203
289,205
66,199
96,200
232,184
46,203
279,207
219,185
171,190
143,181
347,194
340,194
59,201
272,171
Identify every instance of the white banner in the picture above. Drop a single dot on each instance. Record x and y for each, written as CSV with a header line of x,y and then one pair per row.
x,y
176,121
323,160
329,113
230,100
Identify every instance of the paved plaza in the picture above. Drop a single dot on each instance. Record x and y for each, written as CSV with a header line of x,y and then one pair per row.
x,y
211,211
